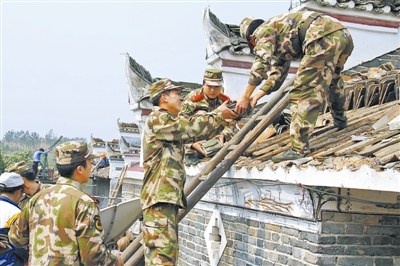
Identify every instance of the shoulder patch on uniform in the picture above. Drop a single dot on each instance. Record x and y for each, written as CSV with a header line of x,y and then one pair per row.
x,y
223,97
97,223
197,98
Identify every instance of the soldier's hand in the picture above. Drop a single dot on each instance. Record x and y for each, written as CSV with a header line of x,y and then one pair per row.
x,y
241,105
254,99
197,147
253,102
226,112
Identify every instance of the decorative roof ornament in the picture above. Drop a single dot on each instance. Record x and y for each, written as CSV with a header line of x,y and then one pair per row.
x,y
139,79
220,36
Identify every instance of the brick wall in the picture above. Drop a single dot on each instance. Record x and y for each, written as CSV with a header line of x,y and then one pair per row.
x,y
343,239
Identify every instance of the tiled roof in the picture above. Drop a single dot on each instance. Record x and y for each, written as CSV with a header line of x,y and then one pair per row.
x,y
373,6
129,145
113,150
128,127
372,101
97,142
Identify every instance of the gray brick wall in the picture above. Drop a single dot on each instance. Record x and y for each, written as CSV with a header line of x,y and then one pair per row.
x,y
343,239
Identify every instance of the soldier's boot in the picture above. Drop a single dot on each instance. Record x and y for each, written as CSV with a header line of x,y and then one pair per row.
x,y
287,155
340,120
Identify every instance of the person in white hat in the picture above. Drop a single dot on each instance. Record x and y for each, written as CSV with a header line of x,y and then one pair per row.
x,y
11,190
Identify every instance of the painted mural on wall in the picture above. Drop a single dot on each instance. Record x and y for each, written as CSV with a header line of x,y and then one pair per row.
x,y
263,196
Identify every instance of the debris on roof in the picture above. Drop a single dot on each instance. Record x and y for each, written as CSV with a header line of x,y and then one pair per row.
x,y
372,102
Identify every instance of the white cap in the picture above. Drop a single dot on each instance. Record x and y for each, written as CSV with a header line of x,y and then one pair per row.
x,y
10,180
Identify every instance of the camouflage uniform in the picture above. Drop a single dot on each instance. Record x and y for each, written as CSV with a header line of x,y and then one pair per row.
x,y
22,169
164,173
323,51
196,101
25,198
61,223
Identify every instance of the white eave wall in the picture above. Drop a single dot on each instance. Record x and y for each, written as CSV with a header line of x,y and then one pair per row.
x,y
364,178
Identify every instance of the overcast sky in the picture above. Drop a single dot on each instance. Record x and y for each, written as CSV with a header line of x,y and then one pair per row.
x,y
62,63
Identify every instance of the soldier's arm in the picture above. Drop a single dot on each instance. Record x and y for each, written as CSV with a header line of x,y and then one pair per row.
x,y
90,235
199,126
263,51
18,234
277,76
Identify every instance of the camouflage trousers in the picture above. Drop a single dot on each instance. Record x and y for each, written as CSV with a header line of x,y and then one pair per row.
x,y
160,234
318,78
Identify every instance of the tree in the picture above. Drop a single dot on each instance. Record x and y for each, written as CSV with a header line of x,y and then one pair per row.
x,y
7,160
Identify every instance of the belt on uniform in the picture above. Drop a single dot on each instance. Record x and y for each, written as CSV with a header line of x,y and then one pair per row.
x,y
306,24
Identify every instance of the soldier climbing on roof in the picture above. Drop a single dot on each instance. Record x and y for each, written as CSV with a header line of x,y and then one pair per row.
x,y
323,45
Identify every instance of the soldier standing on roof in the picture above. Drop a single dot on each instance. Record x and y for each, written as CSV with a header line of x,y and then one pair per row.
x,y
162,193
323,44
208,98
61,224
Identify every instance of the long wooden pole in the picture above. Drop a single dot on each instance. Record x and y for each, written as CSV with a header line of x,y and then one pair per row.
x,y
221,162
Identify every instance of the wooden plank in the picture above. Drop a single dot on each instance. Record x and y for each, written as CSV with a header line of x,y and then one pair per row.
x,y
393,112
367,151
388,150
362,144
271,148
266,134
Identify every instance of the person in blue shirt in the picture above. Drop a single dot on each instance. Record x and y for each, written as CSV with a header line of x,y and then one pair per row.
x,y
102,162
36,159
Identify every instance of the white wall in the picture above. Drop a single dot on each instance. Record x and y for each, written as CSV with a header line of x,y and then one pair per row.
x,y
371,42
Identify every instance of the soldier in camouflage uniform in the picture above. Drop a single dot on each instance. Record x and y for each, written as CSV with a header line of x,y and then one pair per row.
x,y
207,98
31,184
323,45
61,223
162,194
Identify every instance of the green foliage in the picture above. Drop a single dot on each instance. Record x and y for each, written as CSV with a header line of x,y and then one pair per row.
x,y
20,145
10,159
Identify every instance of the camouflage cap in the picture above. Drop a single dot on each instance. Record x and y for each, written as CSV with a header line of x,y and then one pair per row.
x,y
10,180
244,25
18,168
213,77
73,151
157,88
248,26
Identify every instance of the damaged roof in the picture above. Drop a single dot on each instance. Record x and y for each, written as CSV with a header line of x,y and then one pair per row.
x,y
372,101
